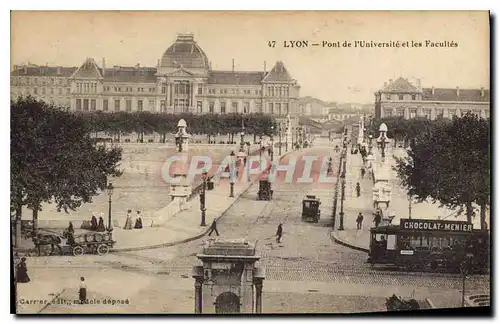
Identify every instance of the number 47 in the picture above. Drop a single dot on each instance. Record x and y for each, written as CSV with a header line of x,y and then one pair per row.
x,y
271,43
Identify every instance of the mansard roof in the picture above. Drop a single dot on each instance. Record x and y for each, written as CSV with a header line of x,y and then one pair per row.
x,y
278,74
49,71
235,77
129,74
449,94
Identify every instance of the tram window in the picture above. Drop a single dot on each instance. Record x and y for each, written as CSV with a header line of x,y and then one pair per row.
x,y
307,205
425,241
404,242
391,242
415,241
380,237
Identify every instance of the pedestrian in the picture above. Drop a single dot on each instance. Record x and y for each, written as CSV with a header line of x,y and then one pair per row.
x,y
93,223
100,227
279,233
359,221
213,228
363,173
70,228
138,220
22,272
377,219
358,189
128,222
82,290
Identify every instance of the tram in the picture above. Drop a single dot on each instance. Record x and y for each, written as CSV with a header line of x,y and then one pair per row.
x,y
436,244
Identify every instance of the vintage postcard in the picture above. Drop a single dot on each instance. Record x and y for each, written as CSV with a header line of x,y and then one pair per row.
x,y
169,162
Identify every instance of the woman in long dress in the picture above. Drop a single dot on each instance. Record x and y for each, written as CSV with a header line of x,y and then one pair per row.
x,y
138,220
22,271
128,222
100,227
82,290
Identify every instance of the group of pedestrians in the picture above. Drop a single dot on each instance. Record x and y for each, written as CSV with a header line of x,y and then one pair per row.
x,y
95,226
128,222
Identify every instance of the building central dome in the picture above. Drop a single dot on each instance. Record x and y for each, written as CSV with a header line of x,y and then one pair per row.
x,y
185,52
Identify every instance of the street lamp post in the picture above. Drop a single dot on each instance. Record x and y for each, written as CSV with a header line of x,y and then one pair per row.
x,y
279,134
464,270
409,206
203,198
109,190
342,197
272,143
242,141
370,144
231,176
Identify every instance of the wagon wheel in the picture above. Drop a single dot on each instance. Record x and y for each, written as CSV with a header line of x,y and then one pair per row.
x,y
78,250
102,249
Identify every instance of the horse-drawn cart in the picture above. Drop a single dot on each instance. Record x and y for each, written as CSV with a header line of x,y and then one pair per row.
x,y
76,244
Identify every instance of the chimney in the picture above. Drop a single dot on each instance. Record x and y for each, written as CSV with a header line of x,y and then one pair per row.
x,y
458,92
390,81
210,65
138,65
432,90
58,70
482,92
15,68
265,68
233,65
385,84
25,69
158,64
103,66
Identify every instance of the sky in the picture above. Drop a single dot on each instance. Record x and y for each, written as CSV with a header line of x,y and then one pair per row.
x,y
344,74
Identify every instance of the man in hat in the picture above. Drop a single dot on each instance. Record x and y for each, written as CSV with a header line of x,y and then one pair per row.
x,y
279,233
213,228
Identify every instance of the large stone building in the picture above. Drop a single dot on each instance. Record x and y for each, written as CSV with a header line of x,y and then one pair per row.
x,y
409,100
183,81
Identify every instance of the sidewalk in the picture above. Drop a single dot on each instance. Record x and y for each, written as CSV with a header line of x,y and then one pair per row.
x,y
399,206
184,226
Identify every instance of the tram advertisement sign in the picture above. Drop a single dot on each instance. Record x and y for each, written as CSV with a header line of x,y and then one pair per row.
x,y
435,225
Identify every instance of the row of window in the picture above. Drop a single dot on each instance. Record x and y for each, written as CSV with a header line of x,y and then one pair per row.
x,y
44,91
389,96
234,91
128,89
86,87
427,113
278,91
91,105
38,81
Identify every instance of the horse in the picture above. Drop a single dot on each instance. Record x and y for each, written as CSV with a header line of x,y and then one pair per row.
x,y
53,240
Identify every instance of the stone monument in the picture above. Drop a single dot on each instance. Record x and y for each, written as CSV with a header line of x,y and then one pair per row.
x,y
228,282
180,189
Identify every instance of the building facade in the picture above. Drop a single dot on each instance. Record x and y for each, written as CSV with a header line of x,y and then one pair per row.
x,y
183,81
409,100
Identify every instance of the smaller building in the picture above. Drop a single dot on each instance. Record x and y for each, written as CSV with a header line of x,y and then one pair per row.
x,y
402,98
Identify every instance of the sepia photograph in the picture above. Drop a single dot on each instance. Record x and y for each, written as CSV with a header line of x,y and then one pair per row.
x,y
250,162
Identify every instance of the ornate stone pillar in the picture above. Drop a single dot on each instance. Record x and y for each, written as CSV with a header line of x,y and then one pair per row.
x,y
197,296
167,95
258,295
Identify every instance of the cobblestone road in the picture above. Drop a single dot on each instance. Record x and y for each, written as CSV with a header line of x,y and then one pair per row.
x,y
306,255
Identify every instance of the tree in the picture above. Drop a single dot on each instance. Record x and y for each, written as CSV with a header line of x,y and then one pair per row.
x,y
54,158
450,163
